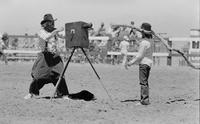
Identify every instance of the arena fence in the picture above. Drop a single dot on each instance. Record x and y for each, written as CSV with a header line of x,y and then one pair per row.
x,y
157,58
111,58
21,54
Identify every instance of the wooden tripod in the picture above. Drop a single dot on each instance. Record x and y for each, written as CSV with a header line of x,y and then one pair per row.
x,y
63,72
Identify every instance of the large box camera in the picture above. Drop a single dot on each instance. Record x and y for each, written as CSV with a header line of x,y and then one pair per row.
x,y
77,34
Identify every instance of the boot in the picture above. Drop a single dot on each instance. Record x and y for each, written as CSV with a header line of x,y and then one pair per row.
x,y
145,95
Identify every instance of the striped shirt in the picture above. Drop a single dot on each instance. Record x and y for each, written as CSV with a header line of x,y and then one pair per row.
x,y
52,43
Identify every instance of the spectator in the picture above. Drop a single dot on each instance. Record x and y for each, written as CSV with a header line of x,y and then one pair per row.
x,y
124,46
4,40
101,31
14,44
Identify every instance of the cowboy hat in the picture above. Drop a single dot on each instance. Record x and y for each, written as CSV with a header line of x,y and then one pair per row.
x,y
4,36
146,27
47,17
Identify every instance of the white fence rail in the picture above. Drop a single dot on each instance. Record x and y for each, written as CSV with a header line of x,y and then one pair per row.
x,y
32,54
135,53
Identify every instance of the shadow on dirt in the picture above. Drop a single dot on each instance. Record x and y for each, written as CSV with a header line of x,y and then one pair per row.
x,y
179,100
131,100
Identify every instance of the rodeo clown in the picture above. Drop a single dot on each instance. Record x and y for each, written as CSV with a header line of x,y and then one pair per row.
x,y
48,65
145,61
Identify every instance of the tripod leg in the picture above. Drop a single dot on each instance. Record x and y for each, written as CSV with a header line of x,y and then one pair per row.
x,y
90,63
63,72
97,75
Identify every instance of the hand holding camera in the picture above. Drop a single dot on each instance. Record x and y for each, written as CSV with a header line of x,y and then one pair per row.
x,y
60,29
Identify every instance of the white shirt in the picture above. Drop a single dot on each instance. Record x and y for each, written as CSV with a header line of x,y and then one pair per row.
x,y
124,45
146,52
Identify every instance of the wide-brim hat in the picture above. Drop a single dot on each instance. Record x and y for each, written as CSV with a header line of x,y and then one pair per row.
x,y
146,27
46,18
4,36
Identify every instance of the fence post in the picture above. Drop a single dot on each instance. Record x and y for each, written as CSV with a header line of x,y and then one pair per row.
x,y
169,58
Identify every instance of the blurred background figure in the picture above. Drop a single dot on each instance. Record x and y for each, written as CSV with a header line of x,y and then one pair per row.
x,y
132,31
4,41
101,31
14,44
124,46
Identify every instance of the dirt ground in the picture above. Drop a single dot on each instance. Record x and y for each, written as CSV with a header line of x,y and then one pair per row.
x,y
174,96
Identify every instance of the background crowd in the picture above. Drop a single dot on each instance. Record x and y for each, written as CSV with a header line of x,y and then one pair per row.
x,y
97,50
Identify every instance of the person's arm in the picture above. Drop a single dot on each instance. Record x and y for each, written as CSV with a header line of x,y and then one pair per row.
x,y
60,36
55,32
46,36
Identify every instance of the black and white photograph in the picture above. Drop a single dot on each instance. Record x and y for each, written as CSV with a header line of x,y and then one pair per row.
x,y
99,61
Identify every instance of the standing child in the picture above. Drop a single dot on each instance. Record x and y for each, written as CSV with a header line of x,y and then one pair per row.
x,y
145,61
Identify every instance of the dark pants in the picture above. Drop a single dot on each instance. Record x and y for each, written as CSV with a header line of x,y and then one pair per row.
x,y
144,71
47,69
37,84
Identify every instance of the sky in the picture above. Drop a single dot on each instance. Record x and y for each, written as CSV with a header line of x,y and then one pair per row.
x,y
174,17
